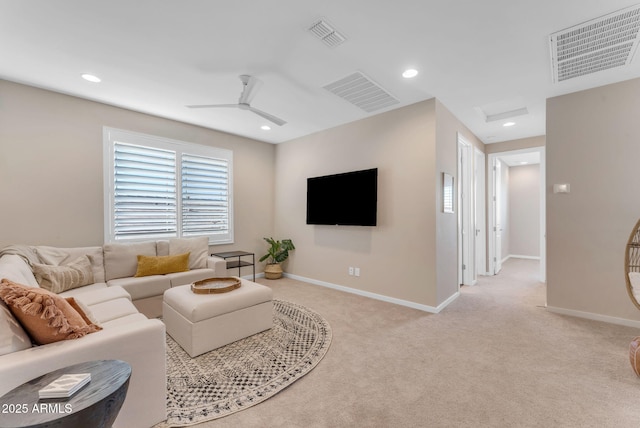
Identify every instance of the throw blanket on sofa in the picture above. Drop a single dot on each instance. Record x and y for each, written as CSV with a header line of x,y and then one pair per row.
x,y
24,251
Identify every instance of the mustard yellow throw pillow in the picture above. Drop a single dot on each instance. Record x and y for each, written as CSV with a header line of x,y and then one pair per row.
x,y
159,265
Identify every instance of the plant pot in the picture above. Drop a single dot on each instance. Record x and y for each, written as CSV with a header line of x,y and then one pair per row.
x,y
273,271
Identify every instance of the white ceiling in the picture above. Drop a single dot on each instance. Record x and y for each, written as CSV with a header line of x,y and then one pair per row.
x,y
519,159
158,56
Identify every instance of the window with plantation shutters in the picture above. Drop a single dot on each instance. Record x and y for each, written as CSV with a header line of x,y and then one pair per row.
x,y
205,195
157,188
144,193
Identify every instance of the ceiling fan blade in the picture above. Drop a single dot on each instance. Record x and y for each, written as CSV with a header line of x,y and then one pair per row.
x,y
213,105
251,86
268,116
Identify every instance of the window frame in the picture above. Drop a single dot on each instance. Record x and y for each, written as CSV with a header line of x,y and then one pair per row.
x,y
111,136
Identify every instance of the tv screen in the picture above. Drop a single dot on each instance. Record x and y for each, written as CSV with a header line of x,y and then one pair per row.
x,y
348,199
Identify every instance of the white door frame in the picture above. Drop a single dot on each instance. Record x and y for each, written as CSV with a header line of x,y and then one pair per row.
x,y
490,209
480,221
466,227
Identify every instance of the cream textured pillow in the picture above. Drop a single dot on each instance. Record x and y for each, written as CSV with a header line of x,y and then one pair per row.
x,y
46,316
160,265
198,248
61,278
62,256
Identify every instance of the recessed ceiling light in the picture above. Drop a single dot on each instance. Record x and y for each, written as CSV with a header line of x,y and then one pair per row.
x,y
91,78
265,127
509,124
523,163
408,74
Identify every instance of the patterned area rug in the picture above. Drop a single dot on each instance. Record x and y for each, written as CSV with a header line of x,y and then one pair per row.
x,y
247,372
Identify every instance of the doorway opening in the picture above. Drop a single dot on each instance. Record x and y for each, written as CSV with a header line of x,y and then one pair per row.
x,y
516,208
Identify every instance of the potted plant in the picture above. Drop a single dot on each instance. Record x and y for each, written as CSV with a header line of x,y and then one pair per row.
x,y
278,253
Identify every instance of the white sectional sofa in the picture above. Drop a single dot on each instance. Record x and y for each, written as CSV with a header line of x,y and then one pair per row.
x,y
120,303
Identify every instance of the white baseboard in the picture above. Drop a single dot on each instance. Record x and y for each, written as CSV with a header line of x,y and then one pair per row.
x,y
407,303
250,276
517,256
595,317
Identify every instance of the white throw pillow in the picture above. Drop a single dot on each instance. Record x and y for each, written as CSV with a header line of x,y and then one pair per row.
x,y
197,247
121,260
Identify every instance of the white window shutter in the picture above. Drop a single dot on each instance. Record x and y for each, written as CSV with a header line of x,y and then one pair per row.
x,y
145,201
205,196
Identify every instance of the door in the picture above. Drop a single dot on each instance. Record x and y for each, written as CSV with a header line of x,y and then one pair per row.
x,y
466,215
497,199
480,223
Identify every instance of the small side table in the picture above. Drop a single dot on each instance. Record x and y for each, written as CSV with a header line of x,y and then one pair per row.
x,y
239,263
96,404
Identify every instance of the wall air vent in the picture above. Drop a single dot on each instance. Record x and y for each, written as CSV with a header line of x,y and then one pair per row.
x,y
600,44
327,34
362,92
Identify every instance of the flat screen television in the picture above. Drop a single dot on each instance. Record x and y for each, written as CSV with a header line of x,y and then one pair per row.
x,y
348,199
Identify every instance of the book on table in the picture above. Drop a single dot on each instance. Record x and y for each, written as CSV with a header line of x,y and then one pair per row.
x,y
65,386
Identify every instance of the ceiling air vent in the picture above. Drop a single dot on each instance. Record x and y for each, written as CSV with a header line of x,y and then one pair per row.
x,y
362,92
602,43
327,34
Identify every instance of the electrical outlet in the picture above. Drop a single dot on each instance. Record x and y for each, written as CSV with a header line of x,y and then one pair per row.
x,y
357,271
351,270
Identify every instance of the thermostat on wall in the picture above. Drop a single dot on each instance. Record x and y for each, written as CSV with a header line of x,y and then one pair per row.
x,y
561,188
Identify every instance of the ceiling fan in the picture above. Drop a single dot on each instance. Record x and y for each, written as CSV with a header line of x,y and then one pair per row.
x,y
250,85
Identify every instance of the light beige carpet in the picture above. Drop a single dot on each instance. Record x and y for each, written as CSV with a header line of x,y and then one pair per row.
x,y
493,358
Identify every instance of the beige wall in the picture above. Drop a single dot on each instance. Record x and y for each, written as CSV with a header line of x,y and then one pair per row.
x,y
397,257
524,210
51,169
593,143
447,129
412,253
523,143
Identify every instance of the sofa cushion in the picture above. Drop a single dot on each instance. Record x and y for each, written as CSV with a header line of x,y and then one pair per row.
x,y
14,268
196,247
65,277
121,260
143,287
160,265
125,320
46,316
12,336
97,293
182,278
113,309
162,247
62,256
83,310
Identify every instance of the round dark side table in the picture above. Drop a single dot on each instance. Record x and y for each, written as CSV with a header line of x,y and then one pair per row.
x,y
96,404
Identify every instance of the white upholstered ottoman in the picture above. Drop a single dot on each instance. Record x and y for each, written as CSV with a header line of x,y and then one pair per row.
x,y
202,322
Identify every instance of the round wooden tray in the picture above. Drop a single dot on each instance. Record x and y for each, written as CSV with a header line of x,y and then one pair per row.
x,y
215,285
